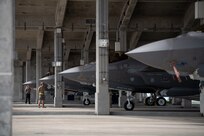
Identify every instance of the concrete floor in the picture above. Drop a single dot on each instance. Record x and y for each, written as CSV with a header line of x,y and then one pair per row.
x,y
28,120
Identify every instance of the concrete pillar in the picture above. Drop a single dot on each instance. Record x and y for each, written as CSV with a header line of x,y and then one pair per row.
x,y
186,103
176,101
58,67
38,71
123,40
6,65
18,78
102,101
140,97
66,58
86,56
28,70
121,99
202,101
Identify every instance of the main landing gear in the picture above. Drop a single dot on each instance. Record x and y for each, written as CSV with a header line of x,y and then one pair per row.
x,y
150,101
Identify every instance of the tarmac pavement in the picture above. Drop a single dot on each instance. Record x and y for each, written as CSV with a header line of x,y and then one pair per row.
x,y
78,120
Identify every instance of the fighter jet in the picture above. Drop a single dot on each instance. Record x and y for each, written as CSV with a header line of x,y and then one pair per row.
x,y
72,85
182,55
131,75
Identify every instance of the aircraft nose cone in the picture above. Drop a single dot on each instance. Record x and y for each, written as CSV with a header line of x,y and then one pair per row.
x,y
71,70
72,73
152,54
48,79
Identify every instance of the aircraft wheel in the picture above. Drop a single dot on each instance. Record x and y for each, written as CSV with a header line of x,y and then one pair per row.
x,y
129,106
161,101
149,101
86,102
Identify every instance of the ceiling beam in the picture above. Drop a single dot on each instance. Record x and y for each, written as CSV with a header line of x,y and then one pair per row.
x,y
126,14
134,39
60,12
88,38
189,17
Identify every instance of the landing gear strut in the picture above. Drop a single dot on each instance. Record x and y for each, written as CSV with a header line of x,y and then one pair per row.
x,y
129,104
86,100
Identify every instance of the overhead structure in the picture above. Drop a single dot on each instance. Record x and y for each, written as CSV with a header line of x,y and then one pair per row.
x,y
123,23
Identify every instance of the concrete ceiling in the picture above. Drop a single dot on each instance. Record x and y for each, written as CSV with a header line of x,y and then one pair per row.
x,y
144,20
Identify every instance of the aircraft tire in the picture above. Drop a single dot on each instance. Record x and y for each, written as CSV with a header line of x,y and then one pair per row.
x,y
129,107
148,102
86,102
161,101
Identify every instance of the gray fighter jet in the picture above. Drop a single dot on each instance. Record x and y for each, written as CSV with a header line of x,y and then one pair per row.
x,y
131,75
182,55
71,85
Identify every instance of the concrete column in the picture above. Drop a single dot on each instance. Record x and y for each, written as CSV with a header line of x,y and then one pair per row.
x,y
58,67
123,40
202,101
18,78
102,101
176,101
38,71
28,70
186,103
6,65
140,97
66,58
86,56
121,99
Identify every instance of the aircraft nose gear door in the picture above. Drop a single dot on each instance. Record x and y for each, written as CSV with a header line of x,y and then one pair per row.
x,y
86,100
129,104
